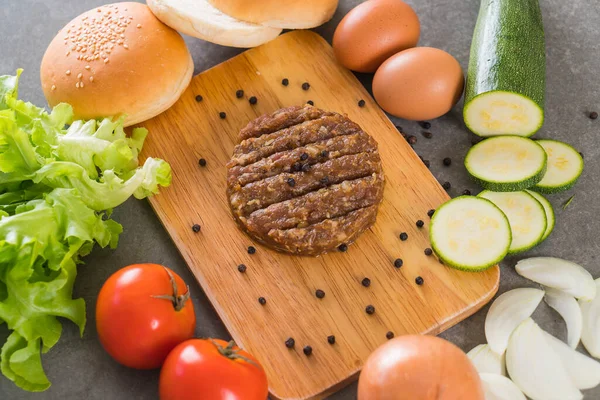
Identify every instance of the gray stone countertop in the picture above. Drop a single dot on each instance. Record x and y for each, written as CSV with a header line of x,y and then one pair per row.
x,y
79,368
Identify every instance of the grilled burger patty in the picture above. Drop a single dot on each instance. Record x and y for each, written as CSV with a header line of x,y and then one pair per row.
x,y
304,180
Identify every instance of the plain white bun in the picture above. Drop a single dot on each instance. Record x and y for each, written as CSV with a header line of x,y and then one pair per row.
x,y
116,59
286,14
198,18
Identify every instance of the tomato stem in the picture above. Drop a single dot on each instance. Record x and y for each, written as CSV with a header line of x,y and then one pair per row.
x,y
177,299
230,353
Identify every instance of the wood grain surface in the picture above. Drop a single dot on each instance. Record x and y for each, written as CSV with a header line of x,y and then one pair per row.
x,y
191,130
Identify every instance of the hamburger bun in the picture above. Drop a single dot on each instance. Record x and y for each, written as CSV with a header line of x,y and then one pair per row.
x,y
116,59
198,18
286,14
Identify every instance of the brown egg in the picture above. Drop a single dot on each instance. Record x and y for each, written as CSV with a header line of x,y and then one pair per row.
x,y
419,84
374,31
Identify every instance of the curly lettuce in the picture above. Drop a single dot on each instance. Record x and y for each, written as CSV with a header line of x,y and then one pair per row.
x,y
59,181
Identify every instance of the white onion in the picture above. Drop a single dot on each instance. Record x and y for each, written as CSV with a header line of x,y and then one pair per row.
x,y
590,335
559,274
536,368
486,361
507,312
498,387
569,310
584,371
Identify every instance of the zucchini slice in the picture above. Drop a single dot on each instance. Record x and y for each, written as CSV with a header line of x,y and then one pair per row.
x,y
506,163
507,70
526,216
550,217
565,166
470,233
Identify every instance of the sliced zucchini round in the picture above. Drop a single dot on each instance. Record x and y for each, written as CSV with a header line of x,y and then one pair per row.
x,y
565,166
506,163
499,112
550,217
525,214
470,233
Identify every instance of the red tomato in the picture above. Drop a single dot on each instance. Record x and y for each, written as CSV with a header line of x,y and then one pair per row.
x,y
211,369
143,312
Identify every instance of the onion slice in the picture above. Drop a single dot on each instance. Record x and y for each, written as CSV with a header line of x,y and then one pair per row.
x,y
590,335
498,387
536,368
584,371
507,312
486,361
559,274
569,310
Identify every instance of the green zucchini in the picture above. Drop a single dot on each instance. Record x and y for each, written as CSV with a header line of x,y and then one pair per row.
x,y
565,166
470,233
507,67
550,217
526,216
506,163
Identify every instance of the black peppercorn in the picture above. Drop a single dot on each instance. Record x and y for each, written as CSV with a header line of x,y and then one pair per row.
x,y
325,180
420,224
251,250
306,168
331,339
198,98
304,156
427,134
290,343
319,293
419,281
242,268
297,167
305,86
370,309
285,81
398,263
593,115
447,161
222,115
425,124
291,182
202,162
196,228
389,335
466,192
412,139
403,236
366,282
307,350
428,251
239,94
343,247
262,300
446,185
361,103
312,103
430,213
253,100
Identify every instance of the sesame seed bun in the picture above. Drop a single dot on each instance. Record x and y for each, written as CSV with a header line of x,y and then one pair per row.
x,y
198,18
286,14
116,59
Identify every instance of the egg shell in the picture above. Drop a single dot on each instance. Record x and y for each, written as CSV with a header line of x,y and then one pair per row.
x,y
374,31
419,84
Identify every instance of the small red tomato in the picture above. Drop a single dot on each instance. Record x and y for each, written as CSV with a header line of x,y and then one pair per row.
x,y
212,369
143,312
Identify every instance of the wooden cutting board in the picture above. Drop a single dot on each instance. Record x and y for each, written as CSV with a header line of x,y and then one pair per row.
x,y
193,129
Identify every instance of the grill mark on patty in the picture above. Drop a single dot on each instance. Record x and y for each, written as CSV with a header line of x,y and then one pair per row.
x,y
285,161
314,207
275,189
281,119
290,138
346,229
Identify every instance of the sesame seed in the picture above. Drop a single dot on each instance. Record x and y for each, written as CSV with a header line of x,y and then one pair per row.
x,y
79,75
139,26
125,46
53,87
77,85
68,72
91,79
81,84
106,61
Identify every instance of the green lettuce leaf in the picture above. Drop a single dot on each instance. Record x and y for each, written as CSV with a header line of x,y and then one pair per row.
x,y
58,186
